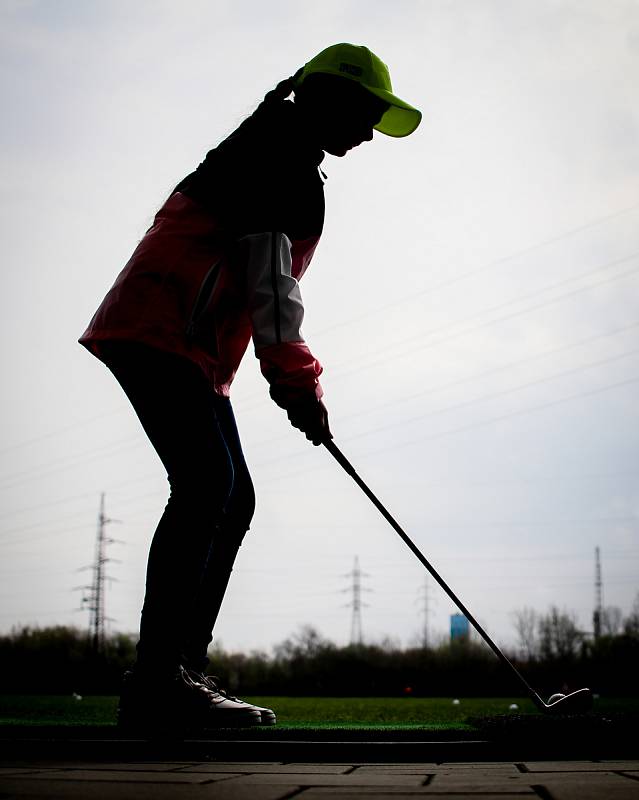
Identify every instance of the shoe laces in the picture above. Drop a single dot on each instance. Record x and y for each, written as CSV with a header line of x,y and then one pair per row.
x,y
211,682
194,681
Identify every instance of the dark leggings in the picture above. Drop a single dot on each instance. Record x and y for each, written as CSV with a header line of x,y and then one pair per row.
x,y
210,506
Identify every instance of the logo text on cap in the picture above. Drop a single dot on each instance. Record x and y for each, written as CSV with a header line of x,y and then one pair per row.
x,y
352,69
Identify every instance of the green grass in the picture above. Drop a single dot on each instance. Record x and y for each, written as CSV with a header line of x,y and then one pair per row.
x,y
383,712
57,710
405,713
300,712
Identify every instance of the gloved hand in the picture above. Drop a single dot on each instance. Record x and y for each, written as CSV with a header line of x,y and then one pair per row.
x,y
306,413
311,417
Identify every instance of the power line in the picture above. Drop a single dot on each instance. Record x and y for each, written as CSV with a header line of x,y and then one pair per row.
x,y
510,415
58,464
451,431
407,298
445,284
524,411
442,434
59,431
46,535
495,395
40,506
136,440
467,379
477,270
350,371
430,390
405,352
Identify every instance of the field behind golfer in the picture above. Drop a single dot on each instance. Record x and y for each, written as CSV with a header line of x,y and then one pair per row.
x,y
299,712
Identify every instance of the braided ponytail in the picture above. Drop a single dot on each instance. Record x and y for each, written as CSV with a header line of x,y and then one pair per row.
x,y
277,95
280,92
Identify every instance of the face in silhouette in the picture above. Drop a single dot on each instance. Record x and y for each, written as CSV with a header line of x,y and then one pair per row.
x,y
340,114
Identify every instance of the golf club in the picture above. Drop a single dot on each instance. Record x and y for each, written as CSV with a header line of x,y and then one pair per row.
x,y
573,703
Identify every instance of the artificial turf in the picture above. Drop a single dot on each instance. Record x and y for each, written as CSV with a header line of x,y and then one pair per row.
x,y
378,726
405,713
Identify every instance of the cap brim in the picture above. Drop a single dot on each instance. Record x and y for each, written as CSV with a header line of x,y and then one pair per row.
x,y
401,119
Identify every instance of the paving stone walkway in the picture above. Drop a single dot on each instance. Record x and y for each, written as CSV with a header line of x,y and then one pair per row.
x,y
549,780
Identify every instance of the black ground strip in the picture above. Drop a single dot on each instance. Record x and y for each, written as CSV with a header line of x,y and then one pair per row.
x,y
511,738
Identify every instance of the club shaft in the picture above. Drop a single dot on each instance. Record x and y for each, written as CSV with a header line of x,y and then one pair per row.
x,y
347,466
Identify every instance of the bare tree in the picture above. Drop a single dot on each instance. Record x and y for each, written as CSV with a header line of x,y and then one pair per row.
x,y
306,643
526,621
631,622
559,636
611,621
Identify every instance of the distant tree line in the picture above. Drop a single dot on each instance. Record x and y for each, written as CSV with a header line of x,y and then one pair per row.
x,y
557,633
553,653
60,660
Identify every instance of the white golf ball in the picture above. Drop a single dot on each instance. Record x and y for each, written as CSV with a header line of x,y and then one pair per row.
x,y
513,707
553,698
455,702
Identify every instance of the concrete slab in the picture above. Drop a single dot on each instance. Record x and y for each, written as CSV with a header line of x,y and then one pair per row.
x,y
371,794
354,779
587,778
578,766
244,764
128,776
587,788
473,765
400,769
494,773
81,790
475,782
416,767
152,766
205,780
222,791
396,766
4,771
265,769
367,791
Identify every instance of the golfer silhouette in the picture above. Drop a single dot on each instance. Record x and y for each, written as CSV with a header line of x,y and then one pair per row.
x,y
220,265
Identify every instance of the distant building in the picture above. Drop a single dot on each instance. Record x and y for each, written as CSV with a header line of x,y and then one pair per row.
x,y
459,627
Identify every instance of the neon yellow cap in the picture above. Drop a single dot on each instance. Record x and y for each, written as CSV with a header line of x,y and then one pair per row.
x,y
358,63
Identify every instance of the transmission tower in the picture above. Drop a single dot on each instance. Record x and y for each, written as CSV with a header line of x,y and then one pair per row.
x,y
94,599
425,609
598,612
356,603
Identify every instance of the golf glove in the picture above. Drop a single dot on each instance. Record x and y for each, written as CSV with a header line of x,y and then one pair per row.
x,y
308,414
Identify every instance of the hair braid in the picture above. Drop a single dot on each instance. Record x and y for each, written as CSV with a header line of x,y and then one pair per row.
x,y
277,95
280,92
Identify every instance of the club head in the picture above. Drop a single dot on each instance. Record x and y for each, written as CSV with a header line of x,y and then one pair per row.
x,y
574,703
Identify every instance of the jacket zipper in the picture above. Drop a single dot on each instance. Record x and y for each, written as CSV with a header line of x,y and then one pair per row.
x,y
203,297
274,286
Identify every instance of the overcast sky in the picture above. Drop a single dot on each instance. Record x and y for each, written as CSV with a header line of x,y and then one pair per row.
x,y
474,300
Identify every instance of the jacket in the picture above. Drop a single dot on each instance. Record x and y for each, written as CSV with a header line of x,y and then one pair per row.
x,y
222,261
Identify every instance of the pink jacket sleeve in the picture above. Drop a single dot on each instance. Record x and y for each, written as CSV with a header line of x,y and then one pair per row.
x,y
276,311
